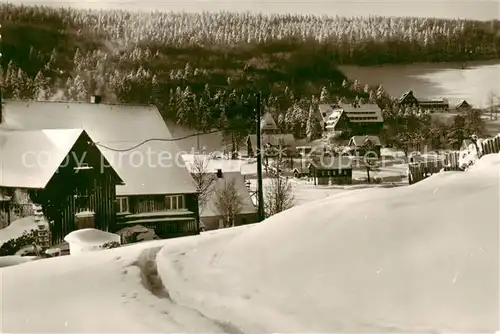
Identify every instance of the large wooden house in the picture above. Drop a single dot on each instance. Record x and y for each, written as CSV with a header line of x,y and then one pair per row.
x,y
353,119
408,99
159,192
330,169
64,172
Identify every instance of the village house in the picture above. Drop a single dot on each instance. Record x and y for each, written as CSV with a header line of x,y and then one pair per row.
x,y
408,99
271,139
63,171
354,119
361,145
159,192
210,216
463,106
301,168
329,169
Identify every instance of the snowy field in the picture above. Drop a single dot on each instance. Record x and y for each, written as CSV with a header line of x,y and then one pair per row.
x,y
422,258
306,192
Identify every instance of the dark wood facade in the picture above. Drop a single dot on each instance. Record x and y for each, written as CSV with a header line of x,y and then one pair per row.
x,y
4,212
328,169
158,212
84,182
358,129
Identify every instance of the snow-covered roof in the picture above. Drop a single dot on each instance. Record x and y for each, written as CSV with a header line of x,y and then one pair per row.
x,y
30,158
267,123
149,169
211,164
329,162
247,206
360,141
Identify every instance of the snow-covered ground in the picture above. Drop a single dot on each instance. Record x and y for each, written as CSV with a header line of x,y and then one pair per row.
x,y
422,258
99,292
306,192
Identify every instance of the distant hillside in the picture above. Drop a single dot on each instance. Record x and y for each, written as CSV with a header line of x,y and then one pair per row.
x,y
203,70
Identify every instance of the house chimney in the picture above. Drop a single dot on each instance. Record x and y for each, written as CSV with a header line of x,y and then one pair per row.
x,y
219,173
95,99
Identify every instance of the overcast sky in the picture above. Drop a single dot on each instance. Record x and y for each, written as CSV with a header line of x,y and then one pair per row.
x,y
481,10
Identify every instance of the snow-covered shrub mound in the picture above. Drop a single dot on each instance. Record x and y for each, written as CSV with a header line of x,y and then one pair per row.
x,y
17,228
411,259
470,155
137,233
89,239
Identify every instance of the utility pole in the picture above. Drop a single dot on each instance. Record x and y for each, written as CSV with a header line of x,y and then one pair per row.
x,y
260,193
2,80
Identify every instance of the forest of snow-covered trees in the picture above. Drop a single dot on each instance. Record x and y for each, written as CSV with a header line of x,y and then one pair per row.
x,y
204,69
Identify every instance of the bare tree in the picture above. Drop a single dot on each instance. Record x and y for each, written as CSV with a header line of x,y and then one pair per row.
x,y
492,101
279,194
228,202
202,178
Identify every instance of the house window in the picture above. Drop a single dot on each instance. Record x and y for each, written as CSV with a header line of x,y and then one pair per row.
x,y
122,203
174,202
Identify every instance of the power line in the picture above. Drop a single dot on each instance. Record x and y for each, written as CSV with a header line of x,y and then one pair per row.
x,y
159,139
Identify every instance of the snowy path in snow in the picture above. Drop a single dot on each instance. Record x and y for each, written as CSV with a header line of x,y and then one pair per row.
x,y
183,263
115,291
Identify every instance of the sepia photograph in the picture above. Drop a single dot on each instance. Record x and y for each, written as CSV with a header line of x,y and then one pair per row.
x,y
250,167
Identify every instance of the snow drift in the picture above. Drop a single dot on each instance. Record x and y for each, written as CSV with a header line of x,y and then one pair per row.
x,y
89,239
412,259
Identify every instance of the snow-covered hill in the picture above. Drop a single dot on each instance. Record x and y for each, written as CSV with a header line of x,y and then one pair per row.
x,y
422,258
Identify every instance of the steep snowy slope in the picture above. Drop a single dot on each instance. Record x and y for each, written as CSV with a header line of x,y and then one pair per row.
x,y
413,259
96,292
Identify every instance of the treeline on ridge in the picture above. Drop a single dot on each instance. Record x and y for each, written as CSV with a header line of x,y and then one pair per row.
x,y
204,69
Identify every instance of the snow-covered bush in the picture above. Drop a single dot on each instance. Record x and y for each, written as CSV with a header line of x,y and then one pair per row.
x,y
470,155
12,246
137,233
111,244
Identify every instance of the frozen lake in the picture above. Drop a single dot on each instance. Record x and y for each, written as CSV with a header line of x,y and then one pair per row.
x,y
434,80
